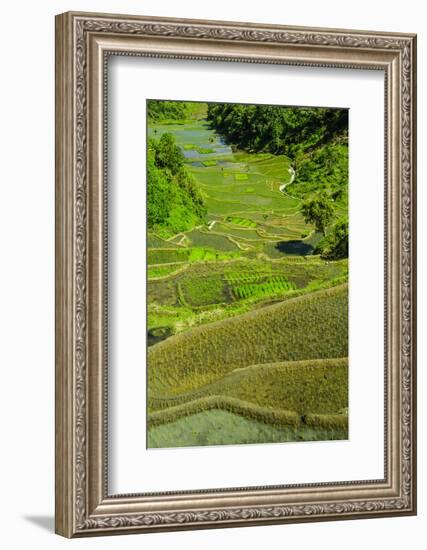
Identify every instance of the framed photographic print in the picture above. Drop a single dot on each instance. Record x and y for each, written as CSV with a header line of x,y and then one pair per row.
x,y
235,274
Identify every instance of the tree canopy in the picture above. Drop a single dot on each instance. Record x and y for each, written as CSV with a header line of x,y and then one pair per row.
x,y
319,211
277,129
161,110
174,202
335,245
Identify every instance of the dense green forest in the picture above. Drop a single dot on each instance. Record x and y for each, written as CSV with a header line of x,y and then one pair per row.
x,y
316,141
174,202
164,110
159,110
275,129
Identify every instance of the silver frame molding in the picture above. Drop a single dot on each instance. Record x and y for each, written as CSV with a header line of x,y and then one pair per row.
x,y
83,43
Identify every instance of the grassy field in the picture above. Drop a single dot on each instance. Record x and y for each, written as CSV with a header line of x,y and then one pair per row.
x,y
247,329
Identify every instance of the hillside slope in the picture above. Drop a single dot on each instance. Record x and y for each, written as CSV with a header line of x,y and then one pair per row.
x,y
312,326
316,386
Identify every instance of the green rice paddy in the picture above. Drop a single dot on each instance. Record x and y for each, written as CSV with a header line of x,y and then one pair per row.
x,y
247,328
220,427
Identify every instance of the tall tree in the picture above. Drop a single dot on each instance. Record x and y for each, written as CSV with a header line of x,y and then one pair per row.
x,y
168,154
335,245
319,211
174,201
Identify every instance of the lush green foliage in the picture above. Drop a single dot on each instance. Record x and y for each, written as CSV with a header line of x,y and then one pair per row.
x,y
174,202
161,110
335,244
167,155
323,169
276,129
247,329
319,211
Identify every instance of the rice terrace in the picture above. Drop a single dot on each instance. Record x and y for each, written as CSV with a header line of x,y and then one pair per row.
x,y
247,292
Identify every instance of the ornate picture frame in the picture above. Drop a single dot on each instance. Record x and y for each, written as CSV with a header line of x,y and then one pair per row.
x,y
84,42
